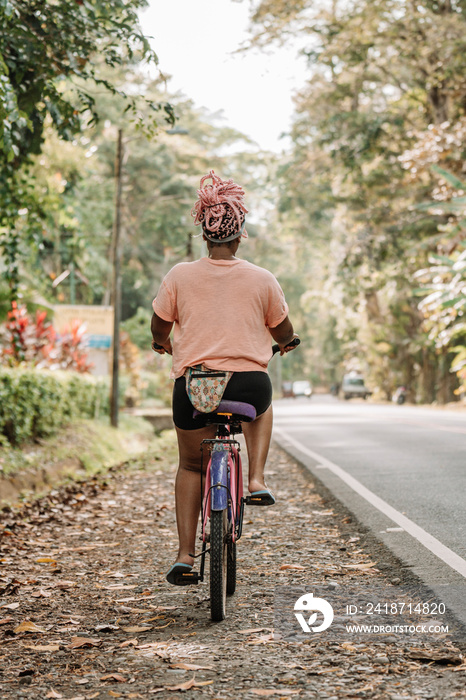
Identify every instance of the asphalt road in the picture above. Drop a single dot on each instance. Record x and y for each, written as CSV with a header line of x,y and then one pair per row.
x,y
400,469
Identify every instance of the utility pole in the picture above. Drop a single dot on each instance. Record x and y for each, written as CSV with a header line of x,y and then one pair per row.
x,y
116,287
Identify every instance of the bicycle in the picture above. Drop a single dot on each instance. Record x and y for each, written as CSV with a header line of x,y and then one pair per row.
x,y
223,501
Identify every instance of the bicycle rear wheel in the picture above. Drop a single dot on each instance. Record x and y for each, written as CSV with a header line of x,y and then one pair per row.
x,y
218,564
231,568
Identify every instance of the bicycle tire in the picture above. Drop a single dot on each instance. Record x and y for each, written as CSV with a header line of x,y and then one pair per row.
x,y
218,564
231,568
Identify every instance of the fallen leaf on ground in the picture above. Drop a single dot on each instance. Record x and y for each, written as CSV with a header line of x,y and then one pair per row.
x,y
360,567
6,620
53,694
251,631
321,671
135,630
106,627
264,692
46,560
64,584
192,683
191,667
43,647
41,594
297,567
129,643
10,606
78,642
439,656
263,639
113,677
28,626
143,522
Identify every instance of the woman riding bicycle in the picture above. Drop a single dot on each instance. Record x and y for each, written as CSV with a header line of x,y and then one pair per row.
x,y
224,311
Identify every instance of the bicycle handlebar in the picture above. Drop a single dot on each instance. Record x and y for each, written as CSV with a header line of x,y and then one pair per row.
x,y
275,348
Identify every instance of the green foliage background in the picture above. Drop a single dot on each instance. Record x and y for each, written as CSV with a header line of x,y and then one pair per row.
x,y
35,404
352,219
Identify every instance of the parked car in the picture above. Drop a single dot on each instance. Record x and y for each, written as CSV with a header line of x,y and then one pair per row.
x,y
353,386
302,388
287,389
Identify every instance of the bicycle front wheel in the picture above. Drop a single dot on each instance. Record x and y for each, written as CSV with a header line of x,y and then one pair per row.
x,y
218,564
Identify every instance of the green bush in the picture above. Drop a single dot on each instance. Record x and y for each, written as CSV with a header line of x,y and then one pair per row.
x,y
138,328
156,388
36,403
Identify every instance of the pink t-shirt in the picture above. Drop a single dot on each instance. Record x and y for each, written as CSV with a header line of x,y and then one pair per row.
x,y
222,310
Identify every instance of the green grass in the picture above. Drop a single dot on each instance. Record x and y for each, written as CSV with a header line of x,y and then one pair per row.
x,y
88,447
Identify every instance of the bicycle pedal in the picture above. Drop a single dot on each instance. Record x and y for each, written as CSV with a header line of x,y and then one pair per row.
x,y
260,499
251,501
191,577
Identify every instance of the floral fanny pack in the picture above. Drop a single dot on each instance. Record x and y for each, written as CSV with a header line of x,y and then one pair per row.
x,y
205,387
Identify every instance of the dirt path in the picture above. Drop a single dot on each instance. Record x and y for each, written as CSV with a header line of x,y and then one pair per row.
x,y
86,612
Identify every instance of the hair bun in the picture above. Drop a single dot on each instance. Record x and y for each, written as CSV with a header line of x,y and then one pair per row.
x,y
220,208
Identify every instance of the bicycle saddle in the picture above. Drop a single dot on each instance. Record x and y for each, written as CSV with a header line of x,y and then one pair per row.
x,y
243,411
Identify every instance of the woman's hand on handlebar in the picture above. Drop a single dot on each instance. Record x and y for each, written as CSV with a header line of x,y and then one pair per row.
x,y
162,349
291,345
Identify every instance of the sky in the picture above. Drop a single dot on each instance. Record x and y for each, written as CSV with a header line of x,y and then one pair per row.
x,y
195,41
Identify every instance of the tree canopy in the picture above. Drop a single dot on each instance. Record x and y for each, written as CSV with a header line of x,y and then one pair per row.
x,y
51,54
379,124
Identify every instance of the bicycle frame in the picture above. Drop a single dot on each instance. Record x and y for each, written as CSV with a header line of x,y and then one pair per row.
x,y
224,484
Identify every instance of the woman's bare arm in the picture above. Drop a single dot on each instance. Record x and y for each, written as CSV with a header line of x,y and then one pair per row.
x,y
161,334
283,334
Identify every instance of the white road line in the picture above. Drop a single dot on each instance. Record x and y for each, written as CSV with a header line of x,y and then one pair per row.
x,y
431,543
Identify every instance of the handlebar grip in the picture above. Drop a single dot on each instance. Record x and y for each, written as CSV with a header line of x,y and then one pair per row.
x,y
294,343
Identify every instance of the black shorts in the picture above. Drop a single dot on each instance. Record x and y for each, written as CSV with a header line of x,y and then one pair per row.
x,y
250,387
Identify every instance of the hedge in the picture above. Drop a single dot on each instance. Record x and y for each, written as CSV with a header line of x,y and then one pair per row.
x,y
36,403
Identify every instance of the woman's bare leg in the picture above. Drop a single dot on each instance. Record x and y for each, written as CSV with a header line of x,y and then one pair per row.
x,y
188,488
258,435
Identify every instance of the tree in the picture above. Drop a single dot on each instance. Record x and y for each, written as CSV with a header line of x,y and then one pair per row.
x,y
48,71
382,76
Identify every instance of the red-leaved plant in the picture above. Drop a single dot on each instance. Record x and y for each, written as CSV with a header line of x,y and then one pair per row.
x,y
69,350
24,340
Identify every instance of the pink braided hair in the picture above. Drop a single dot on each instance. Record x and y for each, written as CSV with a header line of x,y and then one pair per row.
x,y
219,208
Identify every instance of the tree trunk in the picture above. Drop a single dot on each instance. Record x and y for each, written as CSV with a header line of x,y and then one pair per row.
x,y
427,387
